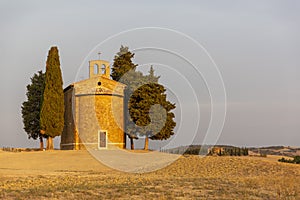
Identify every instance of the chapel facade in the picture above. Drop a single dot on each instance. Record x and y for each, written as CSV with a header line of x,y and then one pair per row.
x,y
94,111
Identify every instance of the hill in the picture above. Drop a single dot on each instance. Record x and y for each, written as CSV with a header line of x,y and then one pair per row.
x,y
77,175
203,150
277,150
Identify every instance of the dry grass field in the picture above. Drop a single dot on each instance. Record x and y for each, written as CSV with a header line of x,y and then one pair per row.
x,y
77,175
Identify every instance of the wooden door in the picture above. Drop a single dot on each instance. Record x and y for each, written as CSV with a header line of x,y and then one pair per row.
x,y
102,139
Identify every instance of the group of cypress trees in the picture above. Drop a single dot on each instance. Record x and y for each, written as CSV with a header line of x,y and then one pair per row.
x,y
295,160
147,110
43,112
230,151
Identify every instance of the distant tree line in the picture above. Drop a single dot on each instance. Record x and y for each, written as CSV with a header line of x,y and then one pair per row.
x,y
219,150
12,149
229,151
296,160
196,150
191,149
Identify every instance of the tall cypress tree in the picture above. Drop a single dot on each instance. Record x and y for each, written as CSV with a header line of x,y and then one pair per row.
x,y
124,71
52,113
31,108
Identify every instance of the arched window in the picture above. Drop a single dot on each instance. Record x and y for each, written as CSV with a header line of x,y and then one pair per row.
x,y
96,67
103,69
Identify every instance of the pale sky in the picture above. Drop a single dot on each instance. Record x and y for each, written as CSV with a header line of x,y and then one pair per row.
x,y
255,45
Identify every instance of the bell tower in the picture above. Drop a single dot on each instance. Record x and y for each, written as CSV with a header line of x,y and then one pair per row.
x,y
99,68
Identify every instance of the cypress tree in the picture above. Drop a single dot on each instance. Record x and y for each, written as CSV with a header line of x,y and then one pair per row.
x,y
151,111
31,108
52,113
231,152
239,151
147,111
122,64
151,78
124,71
246,151
169,124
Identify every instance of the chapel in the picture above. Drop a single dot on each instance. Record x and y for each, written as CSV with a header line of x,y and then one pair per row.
x,y
94,111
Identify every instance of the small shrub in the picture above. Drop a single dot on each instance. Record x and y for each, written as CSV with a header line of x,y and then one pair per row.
x,y
296,160
263,155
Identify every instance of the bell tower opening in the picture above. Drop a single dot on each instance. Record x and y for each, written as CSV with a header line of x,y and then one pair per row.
x,y
96,69
103,69
99,68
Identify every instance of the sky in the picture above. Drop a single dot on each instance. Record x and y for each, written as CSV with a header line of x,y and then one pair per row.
x,y
248,48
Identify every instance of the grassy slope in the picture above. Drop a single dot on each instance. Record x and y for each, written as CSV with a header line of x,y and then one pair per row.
x,y
71,174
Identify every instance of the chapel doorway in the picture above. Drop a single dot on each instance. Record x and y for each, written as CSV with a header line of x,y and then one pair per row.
x,y
102,139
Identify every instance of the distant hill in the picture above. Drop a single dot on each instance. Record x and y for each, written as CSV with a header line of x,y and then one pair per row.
x,y
203,150
276,150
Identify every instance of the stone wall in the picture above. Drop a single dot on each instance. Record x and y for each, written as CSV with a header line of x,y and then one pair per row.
x,y
100,112
67,137
96,107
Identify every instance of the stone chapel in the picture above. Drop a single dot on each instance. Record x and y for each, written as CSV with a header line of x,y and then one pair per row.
x,y
94,111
